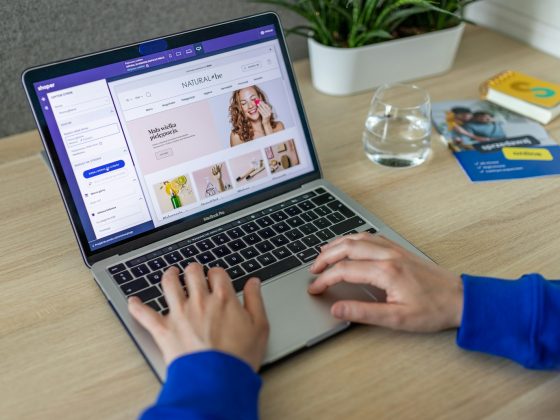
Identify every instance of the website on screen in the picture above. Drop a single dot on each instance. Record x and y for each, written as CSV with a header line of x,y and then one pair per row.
x,y
151,148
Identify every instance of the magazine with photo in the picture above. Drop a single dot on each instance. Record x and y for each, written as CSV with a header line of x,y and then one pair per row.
x,y
492,143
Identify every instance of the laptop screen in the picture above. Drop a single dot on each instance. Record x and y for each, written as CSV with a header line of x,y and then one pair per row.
x,y
164,137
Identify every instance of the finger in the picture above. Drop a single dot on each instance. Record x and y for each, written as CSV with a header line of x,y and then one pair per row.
x,y
145,316
357,272
253,302
354,249
383,314
195,280
356,236
172,289
220,282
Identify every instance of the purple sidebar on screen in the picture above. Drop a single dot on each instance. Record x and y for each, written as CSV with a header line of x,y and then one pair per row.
x,y
118,69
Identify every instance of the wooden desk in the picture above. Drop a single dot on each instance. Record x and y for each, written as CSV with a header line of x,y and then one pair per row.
x,y
63,354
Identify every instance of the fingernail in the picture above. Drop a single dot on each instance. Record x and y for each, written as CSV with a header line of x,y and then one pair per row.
x,y
338,311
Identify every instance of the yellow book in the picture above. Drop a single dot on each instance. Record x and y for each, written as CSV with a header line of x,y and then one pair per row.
x,y
523,94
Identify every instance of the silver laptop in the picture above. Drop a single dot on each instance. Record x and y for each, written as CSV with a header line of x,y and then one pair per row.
x,y
195,147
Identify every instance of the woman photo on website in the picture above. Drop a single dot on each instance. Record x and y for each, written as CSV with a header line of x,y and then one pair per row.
x,y
251,116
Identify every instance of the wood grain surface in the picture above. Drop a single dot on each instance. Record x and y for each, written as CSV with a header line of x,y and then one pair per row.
x,y
63,354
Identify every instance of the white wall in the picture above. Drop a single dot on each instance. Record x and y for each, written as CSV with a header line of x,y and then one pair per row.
x,y
535,22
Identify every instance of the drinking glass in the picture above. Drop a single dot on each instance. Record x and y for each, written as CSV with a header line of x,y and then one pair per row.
x,y
397,129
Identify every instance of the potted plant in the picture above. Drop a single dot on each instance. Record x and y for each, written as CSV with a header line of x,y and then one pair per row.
x,y
355,45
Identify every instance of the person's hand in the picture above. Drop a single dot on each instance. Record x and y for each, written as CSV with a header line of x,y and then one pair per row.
x,y
266,112
421,296
211,317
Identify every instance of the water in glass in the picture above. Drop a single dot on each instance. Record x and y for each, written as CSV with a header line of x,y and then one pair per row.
x,y
397,141
397,129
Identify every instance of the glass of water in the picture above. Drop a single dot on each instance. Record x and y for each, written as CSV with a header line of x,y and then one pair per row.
x,y
397,129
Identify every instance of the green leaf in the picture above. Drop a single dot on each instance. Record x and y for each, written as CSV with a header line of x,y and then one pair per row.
x,y
367,37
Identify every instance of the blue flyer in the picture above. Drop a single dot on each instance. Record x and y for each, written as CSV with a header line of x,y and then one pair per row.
x,y
492,143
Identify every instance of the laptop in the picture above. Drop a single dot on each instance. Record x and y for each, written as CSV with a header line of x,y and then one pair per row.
x,y
195,147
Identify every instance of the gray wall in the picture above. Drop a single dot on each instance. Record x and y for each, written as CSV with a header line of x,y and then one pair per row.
x,y
37,32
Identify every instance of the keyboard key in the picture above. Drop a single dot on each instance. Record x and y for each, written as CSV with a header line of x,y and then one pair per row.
x,y
235,272
266,233
296,246
279,216
268,272
307,255
281,253
293,210
371,230
294,234
311,240
325,234
162,302
205,257
134,286
320,190
148,294
323,210
117,268
218,263
155,277
233,259
250,265
264,246
338,206
322,199
205,244
154,305
249,253
173,257
308,228
235,233
281,227
220,239
306,205
140,270
122,277
335,217
237,244
250,227
295,221
347,225
265,222
279,240
189,251
157,264
252,238
266,259
309,216
322,223
222,251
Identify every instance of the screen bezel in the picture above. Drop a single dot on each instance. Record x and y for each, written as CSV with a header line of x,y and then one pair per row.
x,y
49,71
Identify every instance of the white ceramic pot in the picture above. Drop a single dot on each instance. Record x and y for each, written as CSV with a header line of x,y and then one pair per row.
x,y
343,71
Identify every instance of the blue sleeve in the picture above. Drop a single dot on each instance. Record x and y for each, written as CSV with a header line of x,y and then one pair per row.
x,y
207,385
519,319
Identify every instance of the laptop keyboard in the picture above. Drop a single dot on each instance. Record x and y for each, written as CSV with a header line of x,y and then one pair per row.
x,y
264,244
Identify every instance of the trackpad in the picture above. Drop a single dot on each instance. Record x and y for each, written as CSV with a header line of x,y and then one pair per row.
x,y
298,319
